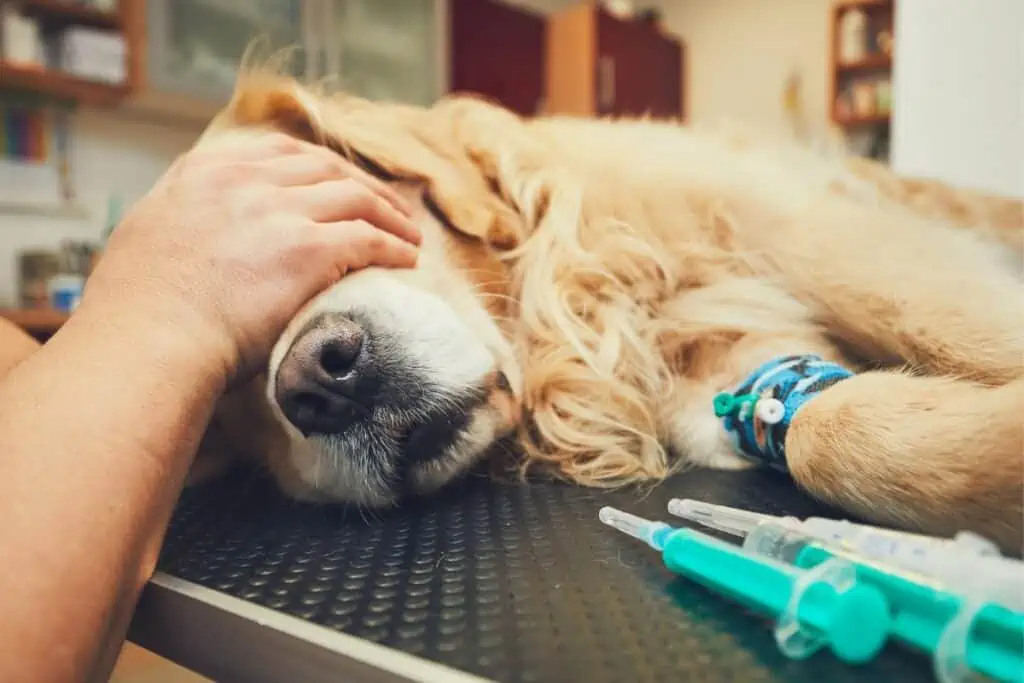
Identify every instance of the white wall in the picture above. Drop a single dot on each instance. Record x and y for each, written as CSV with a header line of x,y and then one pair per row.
x,y
741,52
958,92
110,154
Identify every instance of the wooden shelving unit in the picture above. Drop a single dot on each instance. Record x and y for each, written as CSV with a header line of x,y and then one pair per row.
x,y
855,120
52,13
41,323
54,16
869,63
60,85
850,81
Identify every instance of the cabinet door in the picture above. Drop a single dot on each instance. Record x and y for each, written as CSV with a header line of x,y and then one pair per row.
x,y
194,47
385,49
638,69
498,51
667,58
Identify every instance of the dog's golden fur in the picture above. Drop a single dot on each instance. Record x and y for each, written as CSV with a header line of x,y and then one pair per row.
x,y
638,267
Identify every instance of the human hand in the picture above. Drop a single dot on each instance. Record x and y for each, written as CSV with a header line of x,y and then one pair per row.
x,y
237,235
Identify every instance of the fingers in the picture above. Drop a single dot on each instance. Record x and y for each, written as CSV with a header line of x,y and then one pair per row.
x,y
347,200
307,169
350,170
288,161
358,244
242,146
316,164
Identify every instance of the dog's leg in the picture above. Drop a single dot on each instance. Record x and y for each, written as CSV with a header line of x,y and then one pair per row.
x,y
231,437
938,453
899,288
931,454
215,456
688,417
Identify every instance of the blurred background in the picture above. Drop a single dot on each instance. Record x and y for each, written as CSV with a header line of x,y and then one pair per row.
x,y
97,97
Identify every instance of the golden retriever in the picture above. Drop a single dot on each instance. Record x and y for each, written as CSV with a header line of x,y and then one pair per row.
x,y
586,287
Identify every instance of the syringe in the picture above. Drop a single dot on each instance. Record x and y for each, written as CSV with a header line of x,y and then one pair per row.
x,y
822,607
965,621
958,563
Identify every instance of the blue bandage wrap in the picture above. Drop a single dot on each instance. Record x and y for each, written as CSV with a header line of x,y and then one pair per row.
x,y
758,412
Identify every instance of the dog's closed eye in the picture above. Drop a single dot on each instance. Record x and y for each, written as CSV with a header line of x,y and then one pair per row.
x,y
501,383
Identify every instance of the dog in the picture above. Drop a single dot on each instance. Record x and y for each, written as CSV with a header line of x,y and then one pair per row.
x,y
586,287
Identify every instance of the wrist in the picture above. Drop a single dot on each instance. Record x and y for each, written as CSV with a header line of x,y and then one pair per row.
x,y
159,335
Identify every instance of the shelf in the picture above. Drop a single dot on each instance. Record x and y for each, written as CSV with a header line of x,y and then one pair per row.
x,y
54,14
61,85
875,64
876,61
68,210
870,120
35,320
862,4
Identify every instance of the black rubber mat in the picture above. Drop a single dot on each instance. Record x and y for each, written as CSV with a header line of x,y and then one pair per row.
x,y
509,582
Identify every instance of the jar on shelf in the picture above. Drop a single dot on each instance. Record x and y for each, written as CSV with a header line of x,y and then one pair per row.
x,y
864,98
853,36
844,105
21,42
883,96
883,40
35,270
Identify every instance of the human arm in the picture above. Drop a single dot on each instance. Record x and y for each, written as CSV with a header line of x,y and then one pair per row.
x,y
97,428
15,345
91,467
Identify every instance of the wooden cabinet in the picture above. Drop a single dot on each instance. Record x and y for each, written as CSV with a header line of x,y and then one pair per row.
x,y
187,52
386,49
860,84
598,64
50,78
498,51
191,49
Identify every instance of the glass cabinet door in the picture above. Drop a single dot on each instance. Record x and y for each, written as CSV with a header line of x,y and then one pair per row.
x,y
385,49
196,46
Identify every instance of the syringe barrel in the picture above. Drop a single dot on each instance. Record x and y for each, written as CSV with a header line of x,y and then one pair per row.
x,y
720,517
911,552
960,567
777,541
853,620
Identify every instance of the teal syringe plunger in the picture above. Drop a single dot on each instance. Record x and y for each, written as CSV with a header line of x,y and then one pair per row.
x,y
822,607
955,599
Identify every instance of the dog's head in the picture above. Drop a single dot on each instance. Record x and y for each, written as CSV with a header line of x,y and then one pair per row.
x,y
392,382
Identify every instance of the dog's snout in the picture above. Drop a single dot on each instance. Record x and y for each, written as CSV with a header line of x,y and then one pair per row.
x,y
327,377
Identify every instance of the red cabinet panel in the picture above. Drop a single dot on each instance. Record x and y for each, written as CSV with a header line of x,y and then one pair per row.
x,y
633,67
497,51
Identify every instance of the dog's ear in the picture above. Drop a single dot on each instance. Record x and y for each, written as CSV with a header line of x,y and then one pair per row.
x,y
393,142
266,100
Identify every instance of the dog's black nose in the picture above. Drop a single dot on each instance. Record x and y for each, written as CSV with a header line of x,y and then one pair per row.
x,y
327,377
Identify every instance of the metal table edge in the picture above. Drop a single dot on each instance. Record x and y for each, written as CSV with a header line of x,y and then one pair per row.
x,y
230,640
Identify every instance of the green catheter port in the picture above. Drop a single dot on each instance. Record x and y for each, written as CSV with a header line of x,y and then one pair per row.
x,y
727,404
